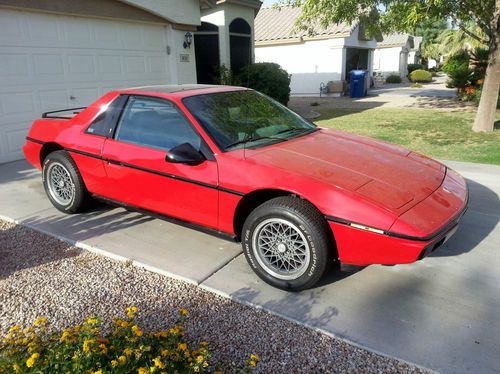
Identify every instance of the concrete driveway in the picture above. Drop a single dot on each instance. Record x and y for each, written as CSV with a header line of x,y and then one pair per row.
x,y
441,313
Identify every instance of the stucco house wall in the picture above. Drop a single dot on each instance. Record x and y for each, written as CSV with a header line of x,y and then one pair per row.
x,y
386,60
311,60
309,63
391,56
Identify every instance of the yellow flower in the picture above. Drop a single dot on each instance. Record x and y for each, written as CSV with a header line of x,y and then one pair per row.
x,y
124,324
127,351
253,363
182,346
114,363
104,349
164,352
66,335
142,370
30,362
86,344
92,321
137,330
40,321
122,359
255,357
131,311
199,359
183,312
97,372
203,344
16,367
158,363
15,328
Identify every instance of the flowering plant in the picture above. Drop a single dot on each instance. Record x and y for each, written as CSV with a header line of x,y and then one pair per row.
x,y
84,349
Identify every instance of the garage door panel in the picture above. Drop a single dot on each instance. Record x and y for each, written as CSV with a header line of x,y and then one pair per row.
x,y
13,65
11,26
42,27
81,64
83,96
53,99
134,64
50,62
17,104
77,29
109,64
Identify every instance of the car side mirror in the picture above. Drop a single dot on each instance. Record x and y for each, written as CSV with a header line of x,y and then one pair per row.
x,y
184,154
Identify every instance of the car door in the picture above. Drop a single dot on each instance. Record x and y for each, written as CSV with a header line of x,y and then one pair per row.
x,y
139,173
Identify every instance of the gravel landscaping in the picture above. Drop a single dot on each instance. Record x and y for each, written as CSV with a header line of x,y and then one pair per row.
x,y
42,276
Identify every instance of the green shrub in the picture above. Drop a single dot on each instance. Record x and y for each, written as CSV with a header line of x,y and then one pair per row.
x,y
412,67
456,61
460,76
478,64
420,76
393,79
268,78
83,349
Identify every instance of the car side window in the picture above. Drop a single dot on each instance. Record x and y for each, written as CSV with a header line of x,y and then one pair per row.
x,y
104,123
155,123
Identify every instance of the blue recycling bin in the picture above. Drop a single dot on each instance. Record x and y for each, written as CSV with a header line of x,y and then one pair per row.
x,y
357,80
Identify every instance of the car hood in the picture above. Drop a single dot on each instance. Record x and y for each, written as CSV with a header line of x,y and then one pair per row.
x,y
384,173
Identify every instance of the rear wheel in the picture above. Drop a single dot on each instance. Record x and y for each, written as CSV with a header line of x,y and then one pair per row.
x,y
285,242
63,183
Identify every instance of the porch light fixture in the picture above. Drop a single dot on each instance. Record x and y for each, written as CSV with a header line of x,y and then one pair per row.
x,y
188,38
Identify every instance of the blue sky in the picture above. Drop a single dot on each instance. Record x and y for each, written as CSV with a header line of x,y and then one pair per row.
x,y
268,3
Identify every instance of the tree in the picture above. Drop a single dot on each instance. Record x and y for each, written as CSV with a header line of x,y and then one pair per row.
x,y
396,15
429,30
452,41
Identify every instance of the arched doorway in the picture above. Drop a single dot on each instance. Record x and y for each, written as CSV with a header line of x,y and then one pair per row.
x,y
240,44
206,48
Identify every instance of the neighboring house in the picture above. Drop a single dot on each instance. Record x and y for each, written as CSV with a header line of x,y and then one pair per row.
x,y
326,55
391,55
57,54
414,56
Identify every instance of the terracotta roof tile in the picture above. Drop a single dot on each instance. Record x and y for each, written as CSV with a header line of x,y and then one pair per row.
x,y
278,24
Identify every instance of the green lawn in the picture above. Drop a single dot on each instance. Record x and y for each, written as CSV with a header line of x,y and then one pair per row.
x,y
439,134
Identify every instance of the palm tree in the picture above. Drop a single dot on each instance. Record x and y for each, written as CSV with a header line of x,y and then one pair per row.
x,y
452,41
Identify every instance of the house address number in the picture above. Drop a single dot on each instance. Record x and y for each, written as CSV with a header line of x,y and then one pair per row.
x,y
184,58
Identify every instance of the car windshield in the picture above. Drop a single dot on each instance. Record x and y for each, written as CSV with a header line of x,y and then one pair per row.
x,y
245,118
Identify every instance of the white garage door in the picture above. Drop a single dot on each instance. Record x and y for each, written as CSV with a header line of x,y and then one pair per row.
x,y
50,62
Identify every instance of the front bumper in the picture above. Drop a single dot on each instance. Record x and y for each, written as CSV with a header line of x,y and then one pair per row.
x,y
427,226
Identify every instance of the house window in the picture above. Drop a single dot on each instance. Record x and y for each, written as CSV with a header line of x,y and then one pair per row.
x,y
240,44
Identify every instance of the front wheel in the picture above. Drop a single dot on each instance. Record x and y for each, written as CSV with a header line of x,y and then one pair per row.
x,y
285,242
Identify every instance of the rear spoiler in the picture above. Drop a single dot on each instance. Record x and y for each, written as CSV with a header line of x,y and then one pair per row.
x,y
62,116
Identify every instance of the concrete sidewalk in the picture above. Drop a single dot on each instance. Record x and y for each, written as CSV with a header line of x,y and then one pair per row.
x,y
441,313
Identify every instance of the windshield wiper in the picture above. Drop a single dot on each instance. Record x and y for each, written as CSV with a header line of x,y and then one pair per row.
x,y
299,130
252,139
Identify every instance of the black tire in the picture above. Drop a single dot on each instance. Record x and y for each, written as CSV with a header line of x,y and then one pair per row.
x,y
71,196
310,248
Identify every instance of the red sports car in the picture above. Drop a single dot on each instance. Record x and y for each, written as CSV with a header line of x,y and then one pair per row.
x,y
238,164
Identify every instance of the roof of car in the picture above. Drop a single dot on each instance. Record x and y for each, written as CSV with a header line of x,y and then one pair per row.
x,y
181,89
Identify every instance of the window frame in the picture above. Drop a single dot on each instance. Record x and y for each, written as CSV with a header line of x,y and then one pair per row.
x,y
204,147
